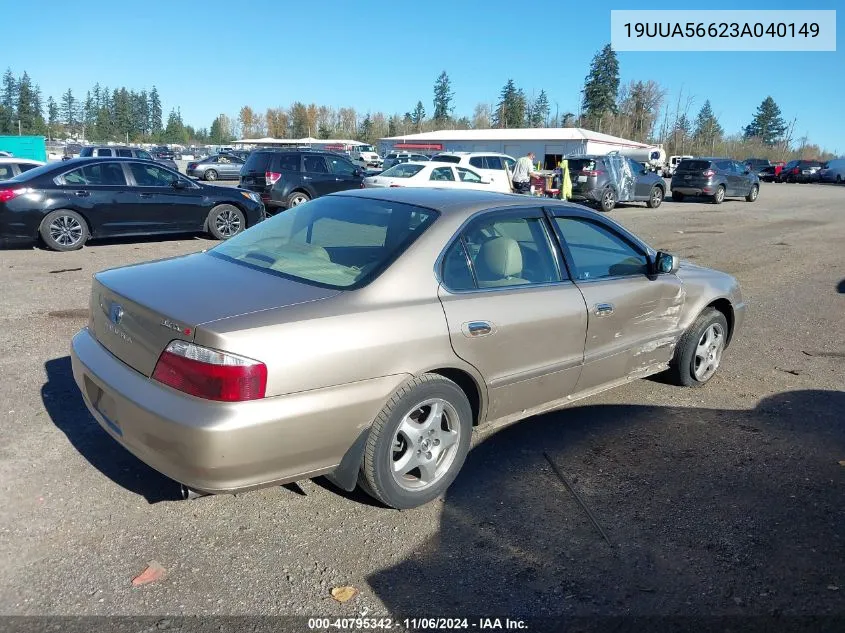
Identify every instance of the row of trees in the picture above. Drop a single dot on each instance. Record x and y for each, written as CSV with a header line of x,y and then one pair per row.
x,y
639,110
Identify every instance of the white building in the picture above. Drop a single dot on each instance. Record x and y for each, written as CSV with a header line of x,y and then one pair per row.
x,y
550,145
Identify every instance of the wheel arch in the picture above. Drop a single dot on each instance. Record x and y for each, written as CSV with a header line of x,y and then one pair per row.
x,y
81,214
724,306
471,388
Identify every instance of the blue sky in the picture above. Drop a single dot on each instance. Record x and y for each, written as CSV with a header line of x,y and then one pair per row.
x,y
216,56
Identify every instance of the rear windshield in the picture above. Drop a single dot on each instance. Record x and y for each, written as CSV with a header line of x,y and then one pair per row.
x,y
32,173
338,242
441,158
403,170
694,165
581,164
259,162
810,163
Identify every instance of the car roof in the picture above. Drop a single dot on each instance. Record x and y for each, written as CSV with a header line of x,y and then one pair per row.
x,y
452,201
13,159
86,160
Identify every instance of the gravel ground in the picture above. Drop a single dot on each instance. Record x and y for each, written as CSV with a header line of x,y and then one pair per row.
x,y
723,500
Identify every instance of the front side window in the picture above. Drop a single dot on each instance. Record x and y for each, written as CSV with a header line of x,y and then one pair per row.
x,y
402,170
147,175
341,167
144,155
467,175
597,252
505,251
336,241
442,174
510,163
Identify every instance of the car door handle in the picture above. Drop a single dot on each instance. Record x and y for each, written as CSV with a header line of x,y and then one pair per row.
x,y
306,177
146,195
478,328
603,309
82,194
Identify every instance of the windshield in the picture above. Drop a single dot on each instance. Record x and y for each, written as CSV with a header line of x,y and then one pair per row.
x,y
337,241
366,148
402,170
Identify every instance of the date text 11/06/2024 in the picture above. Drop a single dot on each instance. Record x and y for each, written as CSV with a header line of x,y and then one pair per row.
x,y
417,624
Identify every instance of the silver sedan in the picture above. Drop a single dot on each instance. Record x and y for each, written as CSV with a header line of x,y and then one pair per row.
x,y
218,166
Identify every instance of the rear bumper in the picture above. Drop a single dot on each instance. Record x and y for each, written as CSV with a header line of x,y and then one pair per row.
x,y
593,195
219,447
706,190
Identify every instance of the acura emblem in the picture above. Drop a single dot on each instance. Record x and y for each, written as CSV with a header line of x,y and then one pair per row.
x,y
115,313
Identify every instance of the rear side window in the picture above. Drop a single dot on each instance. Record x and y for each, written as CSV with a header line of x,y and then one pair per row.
x,y
86,151
477,162
402,170
724,165
492,162
26,167
287,162
315,164
6,172
258,162
124,153
144,155
442,174
443,158
103,152
108,174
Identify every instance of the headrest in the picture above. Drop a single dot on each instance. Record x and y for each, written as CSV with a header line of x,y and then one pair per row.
x,y
502,257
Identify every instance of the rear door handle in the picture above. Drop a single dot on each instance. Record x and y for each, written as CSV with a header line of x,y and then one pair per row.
x,y
478,328
306,177
146,195
82,194
603,309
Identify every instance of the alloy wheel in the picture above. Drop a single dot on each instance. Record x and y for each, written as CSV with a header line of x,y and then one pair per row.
x,y
425,444
228,223
708,352
66,230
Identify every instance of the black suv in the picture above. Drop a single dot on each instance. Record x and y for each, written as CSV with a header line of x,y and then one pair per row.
x,y
800,171
606,180
110,151
716,178
286,178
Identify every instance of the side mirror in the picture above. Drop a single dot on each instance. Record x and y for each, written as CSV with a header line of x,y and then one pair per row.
x,y
358,171
179,184
667,263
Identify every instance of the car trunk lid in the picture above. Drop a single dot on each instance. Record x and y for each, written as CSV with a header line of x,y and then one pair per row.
x,y
137,310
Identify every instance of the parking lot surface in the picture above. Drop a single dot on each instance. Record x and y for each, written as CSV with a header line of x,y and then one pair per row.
x,y
721,500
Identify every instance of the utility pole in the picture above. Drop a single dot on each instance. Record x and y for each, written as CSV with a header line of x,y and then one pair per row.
x,y
19,127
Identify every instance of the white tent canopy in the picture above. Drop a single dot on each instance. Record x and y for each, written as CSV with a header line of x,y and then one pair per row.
x,y
308,140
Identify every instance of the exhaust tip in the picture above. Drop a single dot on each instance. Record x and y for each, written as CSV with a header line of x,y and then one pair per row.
x,y
188,493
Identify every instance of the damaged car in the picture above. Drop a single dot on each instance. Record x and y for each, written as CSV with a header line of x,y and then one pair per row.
x,y
605,181
363,336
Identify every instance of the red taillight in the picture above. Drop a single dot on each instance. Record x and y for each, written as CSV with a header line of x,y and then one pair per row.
x,y
272,177
8,194
709,173
192,166
592,172
796,170
210,374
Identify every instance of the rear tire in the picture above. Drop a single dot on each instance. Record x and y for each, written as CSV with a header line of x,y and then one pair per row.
x,y
64,230
608,200
655,198
225,221
752,195
297,198
210,175
690,363
719,196
404,434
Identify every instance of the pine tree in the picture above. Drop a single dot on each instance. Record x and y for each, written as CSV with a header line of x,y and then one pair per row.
x,y
52,116
707,129
601,87
365,131
154,125
443,96
25,112
510,111
768,124
539,114
418,115
8,103
69,111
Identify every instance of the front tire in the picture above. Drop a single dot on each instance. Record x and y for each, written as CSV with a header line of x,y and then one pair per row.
x,y
225,221
64,230
608,200
752,195
719,196
699,351
417,443
655,199
210,175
